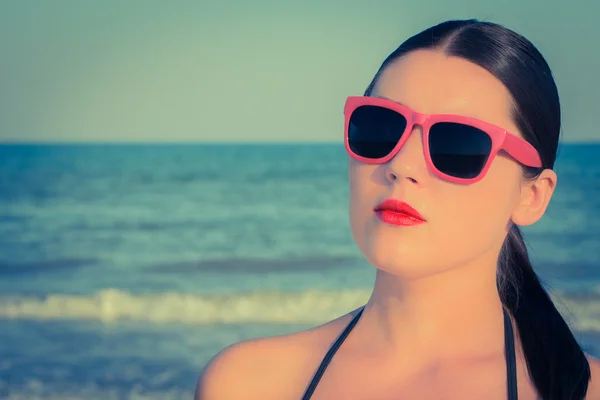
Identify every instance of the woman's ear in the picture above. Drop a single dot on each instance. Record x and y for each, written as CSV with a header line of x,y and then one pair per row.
x,y
534,198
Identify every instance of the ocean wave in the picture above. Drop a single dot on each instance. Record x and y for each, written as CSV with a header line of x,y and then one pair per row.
x,y
8,268
115,305
581,310
39,390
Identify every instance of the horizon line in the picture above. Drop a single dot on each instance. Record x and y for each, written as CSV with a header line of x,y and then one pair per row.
x,y
200,142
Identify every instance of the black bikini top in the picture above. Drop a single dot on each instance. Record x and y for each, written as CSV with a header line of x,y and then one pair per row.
x,y
509,351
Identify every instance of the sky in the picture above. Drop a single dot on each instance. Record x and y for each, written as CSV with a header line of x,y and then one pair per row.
x,y
245,71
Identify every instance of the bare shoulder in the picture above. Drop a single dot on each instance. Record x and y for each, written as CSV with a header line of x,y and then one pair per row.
x,y
593,392
241,370
268,368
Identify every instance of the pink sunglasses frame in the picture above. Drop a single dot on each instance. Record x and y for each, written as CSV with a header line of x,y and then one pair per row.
x,y
520,149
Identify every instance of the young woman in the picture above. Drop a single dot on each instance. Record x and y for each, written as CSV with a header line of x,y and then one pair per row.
x,y
451,149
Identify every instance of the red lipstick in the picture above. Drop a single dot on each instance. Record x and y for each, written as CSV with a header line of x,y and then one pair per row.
x,y
396,212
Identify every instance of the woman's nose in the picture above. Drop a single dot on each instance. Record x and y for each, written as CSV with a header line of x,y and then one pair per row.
x,y
409,163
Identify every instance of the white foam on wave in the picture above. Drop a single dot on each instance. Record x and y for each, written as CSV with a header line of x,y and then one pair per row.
x,y
313,306
114,305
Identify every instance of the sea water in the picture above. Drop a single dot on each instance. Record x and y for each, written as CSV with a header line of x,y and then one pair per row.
x,y
125,268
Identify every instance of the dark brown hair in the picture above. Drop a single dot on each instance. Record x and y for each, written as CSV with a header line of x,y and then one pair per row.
x,y
556,362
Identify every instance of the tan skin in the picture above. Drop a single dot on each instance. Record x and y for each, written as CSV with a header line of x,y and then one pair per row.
x,y
417,338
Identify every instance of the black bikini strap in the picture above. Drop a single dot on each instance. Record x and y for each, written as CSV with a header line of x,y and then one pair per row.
x,y
509,349
511,363
315,381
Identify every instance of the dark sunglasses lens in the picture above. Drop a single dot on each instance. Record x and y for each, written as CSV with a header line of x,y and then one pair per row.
x,y
459,150
374,131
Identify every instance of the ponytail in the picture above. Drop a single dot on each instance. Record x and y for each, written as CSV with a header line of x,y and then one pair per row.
x,y
557,365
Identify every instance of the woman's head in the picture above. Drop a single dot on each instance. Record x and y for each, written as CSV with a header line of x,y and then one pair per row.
x,y
485,71
470,69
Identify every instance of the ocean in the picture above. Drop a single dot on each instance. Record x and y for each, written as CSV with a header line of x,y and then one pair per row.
x,y
125,268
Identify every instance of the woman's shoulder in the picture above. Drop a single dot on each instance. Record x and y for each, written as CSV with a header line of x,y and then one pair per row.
x,y
270,367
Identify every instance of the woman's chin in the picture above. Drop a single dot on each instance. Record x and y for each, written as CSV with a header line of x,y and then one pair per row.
x,y
404,264
407,259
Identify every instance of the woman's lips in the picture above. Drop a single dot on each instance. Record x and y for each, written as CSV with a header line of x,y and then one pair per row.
x,y
396,212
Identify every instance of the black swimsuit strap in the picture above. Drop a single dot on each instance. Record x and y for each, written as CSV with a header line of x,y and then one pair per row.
x,y
319,374
509,349
511,362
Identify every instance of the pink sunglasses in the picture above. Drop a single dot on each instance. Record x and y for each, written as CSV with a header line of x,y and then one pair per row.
x,y
458,149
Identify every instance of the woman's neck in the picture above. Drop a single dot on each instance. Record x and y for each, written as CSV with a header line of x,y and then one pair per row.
x,y
454,314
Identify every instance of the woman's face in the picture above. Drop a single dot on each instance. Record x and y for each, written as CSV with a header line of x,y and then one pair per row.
x,y
463,222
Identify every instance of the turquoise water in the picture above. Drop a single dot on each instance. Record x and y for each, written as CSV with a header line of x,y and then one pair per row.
x,y
124,268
